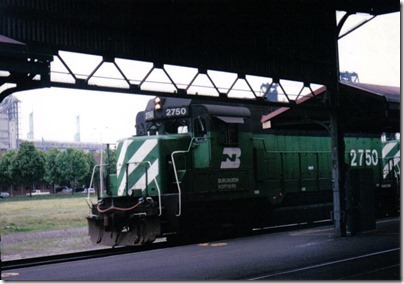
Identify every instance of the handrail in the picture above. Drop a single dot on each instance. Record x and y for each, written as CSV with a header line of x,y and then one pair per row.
x,y
155,181
91,183
176,175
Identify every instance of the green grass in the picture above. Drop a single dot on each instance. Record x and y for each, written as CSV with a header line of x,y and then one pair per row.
x,y
42,213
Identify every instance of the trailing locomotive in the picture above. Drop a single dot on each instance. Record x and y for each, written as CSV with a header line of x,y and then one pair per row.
x,y
195,167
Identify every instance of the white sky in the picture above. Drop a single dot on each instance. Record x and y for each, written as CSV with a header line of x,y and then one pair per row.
x,y
372,51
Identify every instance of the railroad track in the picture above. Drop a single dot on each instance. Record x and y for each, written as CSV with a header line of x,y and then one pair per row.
x,y
160,243
35,261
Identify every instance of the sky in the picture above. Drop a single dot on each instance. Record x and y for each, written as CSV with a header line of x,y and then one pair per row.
x,y
372,51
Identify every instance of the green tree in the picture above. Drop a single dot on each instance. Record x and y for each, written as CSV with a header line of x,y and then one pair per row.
x,y
29,164
7,173
112,160
109,159
52,175
72,165
91,162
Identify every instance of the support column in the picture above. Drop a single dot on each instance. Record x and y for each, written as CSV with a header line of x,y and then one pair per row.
x,y
338,164
337,143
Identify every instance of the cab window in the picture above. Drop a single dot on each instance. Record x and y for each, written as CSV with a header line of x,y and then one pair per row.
x,y
200,127
228,133
176,126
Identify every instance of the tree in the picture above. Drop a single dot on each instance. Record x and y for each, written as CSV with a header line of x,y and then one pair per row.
x,y
72,165
112,160
29,164
91,162
52,175
7,176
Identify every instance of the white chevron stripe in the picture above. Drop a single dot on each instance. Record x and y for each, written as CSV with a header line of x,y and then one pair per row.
x,y
391,164
141,154
122,154
138,156
387,148
152,173
397,158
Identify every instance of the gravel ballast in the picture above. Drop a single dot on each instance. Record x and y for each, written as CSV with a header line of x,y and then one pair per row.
x,y
43,243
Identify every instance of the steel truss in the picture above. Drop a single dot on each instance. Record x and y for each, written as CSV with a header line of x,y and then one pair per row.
x,y
24,68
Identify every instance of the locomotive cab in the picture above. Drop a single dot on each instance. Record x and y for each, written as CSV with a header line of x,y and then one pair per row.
x,y
218,156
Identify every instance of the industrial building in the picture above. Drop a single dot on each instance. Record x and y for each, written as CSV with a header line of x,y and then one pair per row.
x,y
10,136
9,123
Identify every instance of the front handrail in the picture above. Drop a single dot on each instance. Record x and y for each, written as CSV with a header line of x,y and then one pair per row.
x,y
88,200
176,174
154,179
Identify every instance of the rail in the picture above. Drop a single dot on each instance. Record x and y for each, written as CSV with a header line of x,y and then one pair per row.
x,y
82,255
176,174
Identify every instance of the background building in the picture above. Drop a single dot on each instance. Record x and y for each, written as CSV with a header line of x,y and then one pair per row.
x,y
9,123
10,131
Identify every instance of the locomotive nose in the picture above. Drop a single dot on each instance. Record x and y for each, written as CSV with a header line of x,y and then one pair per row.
x,y
137,166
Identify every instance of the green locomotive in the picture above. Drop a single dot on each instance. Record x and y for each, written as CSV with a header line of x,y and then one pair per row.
x,y
195,167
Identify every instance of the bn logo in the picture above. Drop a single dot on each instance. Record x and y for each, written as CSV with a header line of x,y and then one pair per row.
x,y
232,158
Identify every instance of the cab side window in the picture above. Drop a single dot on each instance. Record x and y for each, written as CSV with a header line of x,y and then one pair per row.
x,y
200,127
228,134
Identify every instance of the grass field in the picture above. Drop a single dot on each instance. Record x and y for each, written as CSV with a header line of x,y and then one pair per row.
x,y
41,213
43,225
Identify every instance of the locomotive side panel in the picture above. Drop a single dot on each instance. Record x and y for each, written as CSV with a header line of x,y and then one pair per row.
x,y
364,153
293,169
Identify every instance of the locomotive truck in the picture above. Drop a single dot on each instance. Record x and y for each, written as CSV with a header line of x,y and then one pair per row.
x,y
195,168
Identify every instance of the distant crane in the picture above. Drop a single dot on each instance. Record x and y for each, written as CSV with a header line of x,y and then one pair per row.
x,y
270,91
349,76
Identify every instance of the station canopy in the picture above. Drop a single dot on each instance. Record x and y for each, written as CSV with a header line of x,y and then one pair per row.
x,y
371,109
282,39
